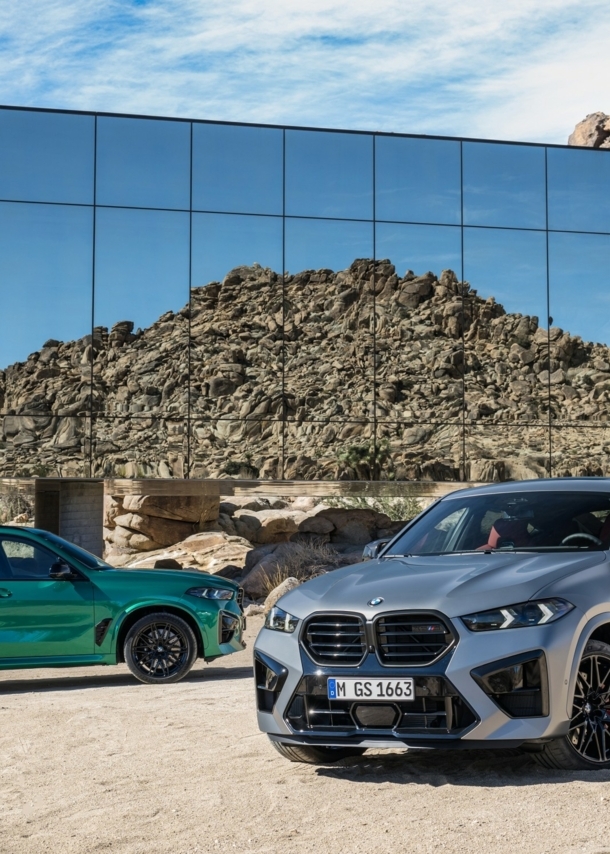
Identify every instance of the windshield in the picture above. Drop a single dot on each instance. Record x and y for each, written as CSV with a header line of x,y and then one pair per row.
x,y
85,557
511,521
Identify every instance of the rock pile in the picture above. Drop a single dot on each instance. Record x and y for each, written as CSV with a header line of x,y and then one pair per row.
x,y
253,540
282,379
147,523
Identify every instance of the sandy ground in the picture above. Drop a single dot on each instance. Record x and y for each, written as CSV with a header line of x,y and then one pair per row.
x,y
94,761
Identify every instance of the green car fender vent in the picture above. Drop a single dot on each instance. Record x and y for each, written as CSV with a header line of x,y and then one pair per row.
x,y
101,631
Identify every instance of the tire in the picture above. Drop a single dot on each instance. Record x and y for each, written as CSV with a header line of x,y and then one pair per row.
x,y
160,648
587,745
315,755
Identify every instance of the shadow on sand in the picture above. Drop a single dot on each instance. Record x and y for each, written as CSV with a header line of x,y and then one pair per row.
x,y
112,678
482,768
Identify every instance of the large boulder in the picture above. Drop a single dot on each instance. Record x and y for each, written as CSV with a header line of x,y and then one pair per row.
x,y
165,532
268,526
210,552
592,132
182,508
146,523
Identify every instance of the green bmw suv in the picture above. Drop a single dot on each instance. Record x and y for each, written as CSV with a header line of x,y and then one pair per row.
x,y
61,606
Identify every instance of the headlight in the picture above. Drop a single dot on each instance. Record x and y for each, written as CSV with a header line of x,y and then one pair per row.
x,y
211,592
280,621
518,616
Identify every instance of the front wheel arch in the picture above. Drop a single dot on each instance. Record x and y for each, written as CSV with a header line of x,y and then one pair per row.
x,y
133,616
593,629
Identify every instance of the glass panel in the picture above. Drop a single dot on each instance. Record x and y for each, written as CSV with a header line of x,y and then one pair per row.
x,y
504,185
420,451
245,450
139,447
579,189
44,446
46,254
506,351
420,248
237,169
328,324
329,174
417,180
329,451
46,157
580,337
236,316
581,451
142,296
419,349
143,163
506,453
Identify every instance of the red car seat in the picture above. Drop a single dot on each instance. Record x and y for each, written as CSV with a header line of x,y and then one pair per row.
x,y
514,530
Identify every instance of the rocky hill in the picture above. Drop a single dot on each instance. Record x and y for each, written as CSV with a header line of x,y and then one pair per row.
x,y
303,350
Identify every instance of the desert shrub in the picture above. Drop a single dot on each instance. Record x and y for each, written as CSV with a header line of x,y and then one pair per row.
x,y
398,509
244,469
12,504
306,560
364,461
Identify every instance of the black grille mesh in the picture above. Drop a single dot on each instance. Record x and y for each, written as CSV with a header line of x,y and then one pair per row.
x,y
404,639
335,639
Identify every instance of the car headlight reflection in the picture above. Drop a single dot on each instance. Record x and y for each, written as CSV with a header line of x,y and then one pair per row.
x,y
211,592
280,621
518,616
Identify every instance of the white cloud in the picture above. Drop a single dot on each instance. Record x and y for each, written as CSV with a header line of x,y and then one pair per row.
x,y
521,69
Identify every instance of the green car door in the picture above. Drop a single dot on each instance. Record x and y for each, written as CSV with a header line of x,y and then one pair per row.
x,y
41,617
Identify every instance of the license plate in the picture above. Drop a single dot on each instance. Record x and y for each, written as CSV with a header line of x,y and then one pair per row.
x,y
371,689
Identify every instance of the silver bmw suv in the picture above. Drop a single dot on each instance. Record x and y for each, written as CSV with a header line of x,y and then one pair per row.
x,y
484,623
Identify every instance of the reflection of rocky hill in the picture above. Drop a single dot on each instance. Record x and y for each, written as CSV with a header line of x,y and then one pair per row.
x,y
303,350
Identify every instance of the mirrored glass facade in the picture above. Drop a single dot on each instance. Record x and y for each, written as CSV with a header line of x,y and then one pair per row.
x,y
187,299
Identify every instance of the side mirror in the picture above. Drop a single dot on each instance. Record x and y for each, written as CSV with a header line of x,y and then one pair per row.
x,y
61,571
371,550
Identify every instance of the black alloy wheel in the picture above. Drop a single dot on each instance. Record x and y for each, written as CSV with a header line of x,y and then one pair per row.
x,y
587,744
160,648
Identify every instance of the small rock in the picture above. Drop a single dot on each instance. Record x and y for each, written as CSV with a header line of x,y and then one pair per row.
x,y
253,610
285,587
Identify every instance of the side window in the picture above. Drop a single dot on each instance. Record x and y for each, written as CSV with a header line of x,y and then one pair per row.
x,y
26,561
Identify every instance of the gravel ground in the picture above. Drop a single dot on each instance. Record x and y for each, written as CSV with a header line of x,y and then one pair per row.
x,y
93,761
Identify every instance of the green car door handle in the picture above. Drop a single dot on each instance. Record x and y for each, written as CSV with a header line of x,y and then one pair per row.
x,y
4,593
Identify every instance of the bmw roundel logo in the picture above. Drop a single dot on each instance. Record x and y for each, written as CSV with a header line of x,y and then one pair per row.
x,y
376,601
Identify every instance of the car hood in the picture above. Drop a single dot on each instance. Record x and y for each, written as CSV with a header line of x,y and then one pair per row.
x,y
152,577
453,584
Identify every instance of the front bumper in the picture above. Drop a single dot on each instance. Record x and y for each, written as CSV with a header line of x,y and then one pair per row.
x,y
451,708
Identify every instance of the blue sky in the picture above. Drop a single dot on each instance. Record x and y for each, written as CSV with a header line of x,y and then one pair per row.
x,y
522,70
526,69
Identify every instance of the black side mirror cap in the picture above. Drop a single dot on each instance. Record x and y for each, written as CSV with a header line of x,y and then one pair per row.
x,y
371,550
61,571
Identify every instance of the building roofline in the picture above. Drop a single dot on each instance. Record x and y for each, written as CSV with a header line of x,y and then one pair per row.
x,y
95,113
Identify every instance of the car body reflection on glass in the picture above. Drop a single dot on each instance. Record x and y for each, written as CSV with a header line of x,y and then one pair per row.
x,y
484,623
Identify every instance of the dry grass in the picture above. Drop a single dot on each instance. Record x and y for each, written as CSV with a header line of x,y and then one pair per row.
x,y
306,560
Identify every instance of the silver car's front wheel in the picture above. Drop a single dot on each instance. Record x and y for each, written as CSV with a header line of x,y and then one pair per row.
x,y
315,755
587,745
